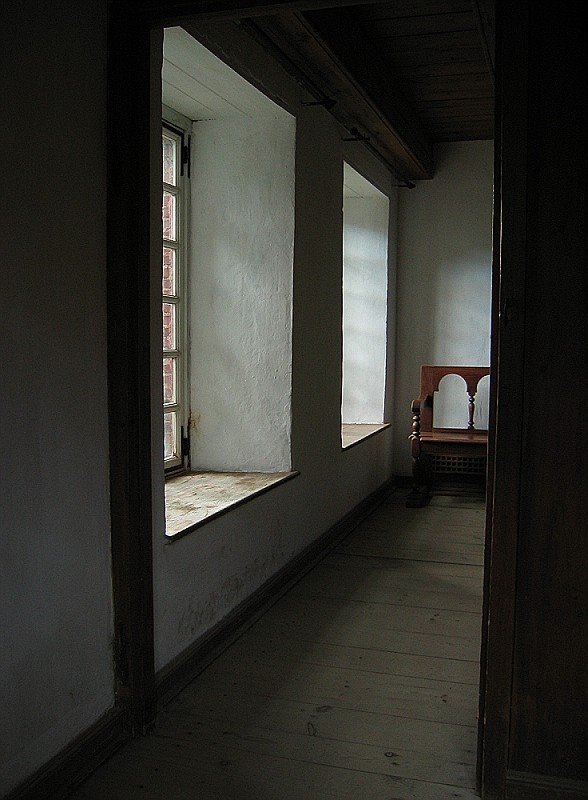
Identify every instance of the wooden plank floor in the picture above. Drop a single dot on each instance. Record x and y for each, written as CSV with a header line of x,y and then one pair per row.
x,y
360,683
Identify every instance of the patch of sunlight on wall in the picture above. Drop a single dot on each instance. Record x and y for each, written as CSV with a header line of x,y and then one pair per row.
x,y
365,286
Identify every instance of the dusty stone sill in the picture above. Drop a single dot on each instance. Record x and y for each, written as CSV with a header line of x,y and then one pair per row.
x,y
352,434
193,499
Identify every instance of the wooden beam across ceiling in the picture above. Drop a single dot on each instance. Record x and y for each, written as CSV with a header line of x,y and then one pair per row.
x,y
485,12
390,125
218,10
348,45
387,125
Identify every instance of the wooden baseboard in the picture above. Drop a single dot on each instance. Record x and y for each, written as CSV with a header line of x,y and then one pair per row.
x,y
531,786
69,768
183,669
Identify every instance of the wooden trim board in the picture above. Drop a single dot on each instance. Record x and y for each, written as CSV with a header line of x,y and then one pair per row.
x,y
69,768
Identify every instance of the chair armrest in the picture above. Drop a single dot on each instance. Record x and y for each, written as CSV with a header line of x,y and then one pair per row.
x,y
419,403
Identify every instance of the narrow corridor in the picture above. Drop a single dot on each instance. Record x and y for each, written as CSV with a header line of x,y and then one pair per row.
x,y
360,683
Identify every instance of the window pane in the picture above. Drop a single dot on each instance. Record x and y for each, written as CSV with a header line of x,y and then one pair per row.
x,y
169,216
169,159
170,426
169,326
169,380
169,271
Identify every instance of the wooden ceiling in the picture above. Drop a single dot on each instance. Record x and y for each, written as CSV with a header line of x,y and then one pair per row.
x,y
400,75
434,52
404,73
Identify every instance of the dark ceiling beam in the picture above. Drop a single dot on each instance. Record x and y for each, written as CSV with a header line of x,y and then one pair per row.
x,y
341,34
485,13
388,126
390,123
218,10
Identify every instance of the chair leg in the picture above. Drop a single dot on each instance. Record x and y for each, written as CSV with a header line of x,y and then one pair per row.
x,y
422,474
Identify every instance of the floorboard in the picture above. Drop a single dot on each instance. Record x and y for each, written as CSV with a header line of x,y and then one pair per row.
x,y
360,659
368,580
360,682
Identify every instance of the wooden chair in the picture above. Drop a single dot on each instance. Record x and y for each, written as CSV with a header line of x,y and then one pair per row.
x,y
445,451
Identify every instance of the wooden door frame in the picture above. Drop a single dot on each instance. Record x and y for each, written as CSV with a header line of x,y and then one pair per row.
x,y
507,396
129,334
129,363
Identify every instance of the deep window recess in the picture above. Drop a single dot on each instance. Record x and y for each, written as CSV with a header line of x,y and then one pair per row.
x,y
235,225
174,301
365,302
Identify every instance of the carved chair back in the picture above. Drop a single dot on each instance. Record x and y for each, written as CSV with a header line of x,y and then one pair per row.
x,y
431,377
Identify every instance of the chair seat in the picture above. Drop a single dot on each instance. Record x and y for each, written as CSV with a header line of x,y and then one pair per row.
x,y
455,435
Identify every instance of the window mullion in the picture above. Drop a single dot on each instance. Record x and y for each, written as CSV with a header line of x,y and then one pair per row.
x,y
173,303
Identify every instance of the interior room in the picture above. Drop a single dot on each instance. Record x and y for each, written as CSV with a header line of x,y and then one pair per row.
x,y
213,582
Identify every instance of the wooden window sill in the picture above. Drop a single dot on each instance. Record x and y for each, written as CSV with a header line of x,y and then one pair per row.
x,y
352,434
195,498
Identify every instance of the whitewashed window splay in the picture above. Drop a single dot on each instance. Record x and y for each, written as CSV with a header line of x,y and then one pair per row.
x,y
366,213
174,297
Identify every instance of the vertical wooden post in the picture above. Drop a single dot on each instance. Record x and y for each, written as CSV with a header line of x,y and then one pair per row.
x,y
508,360
128,284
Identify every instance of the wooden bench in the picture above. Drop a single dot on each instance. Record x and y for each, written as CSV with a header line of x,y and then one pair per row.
x,y
437,451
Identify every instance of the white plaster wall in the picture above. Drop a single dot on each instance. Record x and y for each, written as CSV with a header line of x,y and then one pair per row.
x,y
241,292
203,576
365,305
444,281
56,675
